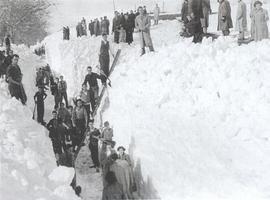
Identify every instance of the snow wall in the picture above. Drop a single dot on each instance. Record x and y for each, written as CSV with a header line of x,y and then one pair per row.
x,y
28,166
194,117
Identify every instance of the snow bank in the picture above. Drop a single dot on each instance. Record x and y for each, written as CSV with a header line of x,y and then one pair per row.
x,y
194,116
27,159
197,115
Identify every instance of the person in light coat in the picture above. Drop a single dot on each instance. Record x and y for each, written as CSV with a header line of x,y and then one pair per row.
x,y
123,174
206,8
260,18
142,24
241,19
224,17
156,14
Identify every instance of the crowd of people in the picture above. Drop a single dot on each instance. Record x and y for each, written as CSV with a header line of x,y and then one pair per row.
x,y
195,16
40,50
72,122
123,27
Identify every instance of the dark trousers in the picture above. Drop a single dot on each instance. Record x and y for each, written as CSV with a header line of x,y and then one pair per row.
x,y
116,37
94,154
40,111
87,108
129,38
93,99
18,92
64,95
56,100
79,132
104,61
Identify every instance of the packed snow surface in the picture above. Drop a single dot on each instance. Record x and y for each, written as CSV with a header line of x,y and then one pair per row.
x,y
28,166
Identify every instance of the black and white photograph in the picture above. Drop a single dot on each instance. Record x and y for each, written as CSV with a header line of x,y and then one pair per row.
x,y
134,100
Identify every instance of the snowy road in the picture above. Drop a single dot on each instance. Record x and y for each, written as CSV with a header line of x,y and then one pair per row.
x,y
86,177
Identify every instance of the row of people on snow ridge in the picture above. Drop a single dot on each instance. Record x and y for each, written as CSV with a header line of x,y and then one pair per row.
x,y
195,15
123,27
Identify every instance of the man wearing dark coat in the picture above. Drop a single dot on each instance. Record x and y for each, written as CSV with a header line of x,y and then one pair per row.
x,y
91,79
94,134
2,59
107,25
116,27
184,12
96,27
68,33
7,61
130,24
224,17
39,98
195,11
14,77
132,18
91,27
8,42
104,58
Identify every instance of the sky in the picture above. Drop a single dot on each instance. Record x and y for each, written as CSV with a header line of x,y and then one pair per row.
x,y
69,12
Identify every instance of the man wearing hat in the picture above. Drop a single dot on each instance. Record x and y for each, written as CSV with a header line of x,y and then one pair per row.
x,y
122,155
94,135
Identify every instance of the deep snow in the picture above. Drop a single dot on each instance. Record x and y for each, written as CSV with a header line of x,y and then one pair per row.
x,y
28,166
196,113
194,116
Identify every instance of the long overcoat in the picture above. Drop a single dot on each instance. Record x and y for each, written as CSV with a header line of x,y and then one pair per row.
x,y
241,17
143,23
260,18
224,16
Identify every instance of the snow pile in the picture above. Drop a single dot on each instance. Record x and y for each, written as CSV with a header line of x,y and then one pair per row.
x,y
27,159
198,116
71,58
194,116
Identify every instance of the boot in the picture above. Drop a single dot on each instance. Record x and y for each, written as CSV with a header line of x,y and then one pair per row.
x,y
151,48
97,169
143,51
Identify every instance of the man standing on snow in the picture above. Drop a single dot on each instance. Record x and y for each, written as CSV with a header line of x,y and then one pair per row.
x,y
143,23
116,26
79,120
2,59
91,79
62,88
94,134
156,14
224,17
195,12
8,42
206,7
14,77
104,58
39,98
241,19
